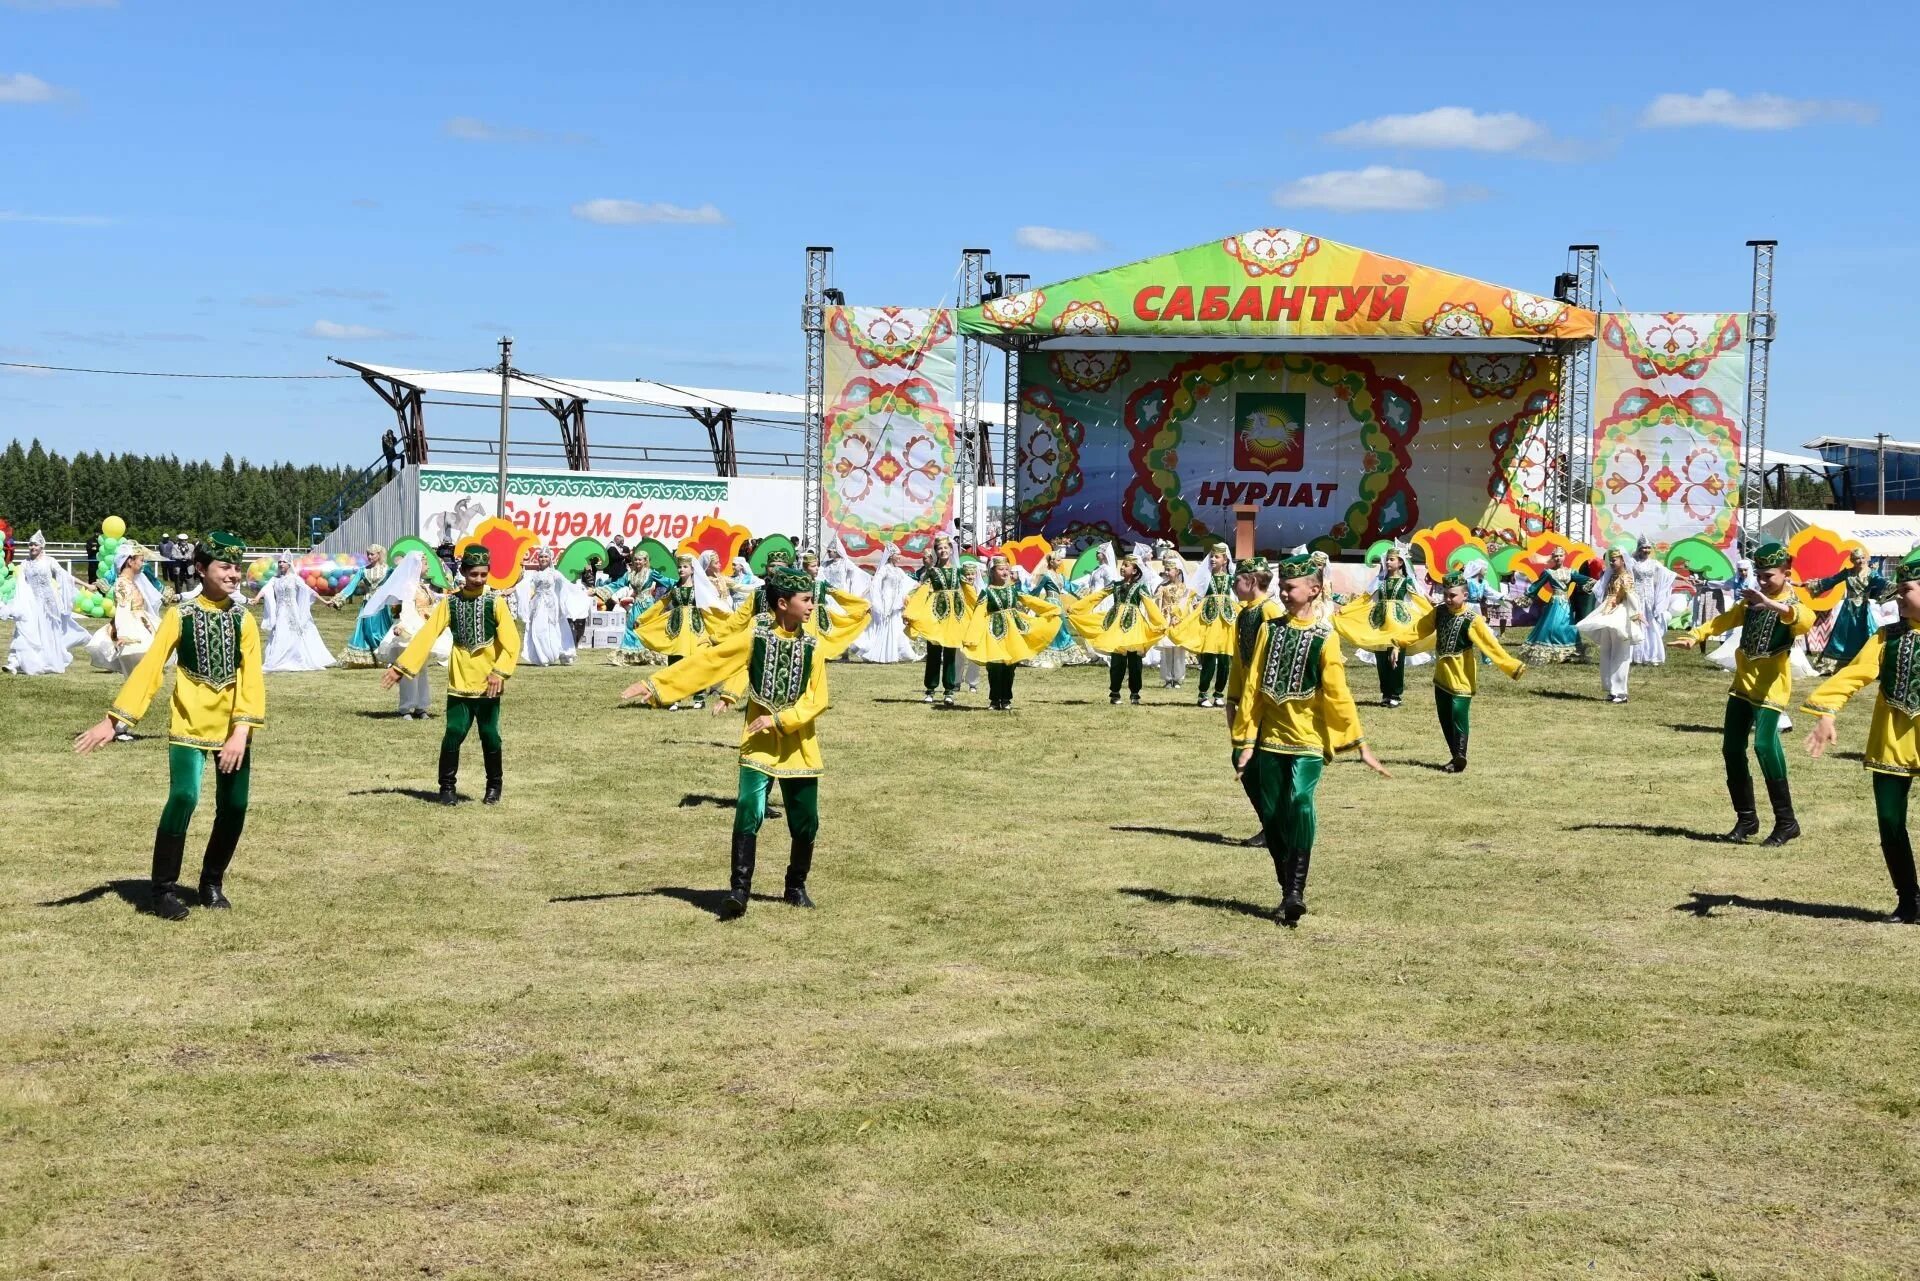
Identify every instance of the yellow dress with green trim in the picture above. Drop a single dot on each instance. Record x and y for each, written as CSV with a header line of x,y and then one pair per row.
x,y
486,641
1892,657
936,611
1762,666
1295,701
676,627
775,672
1384,619
1207,627
1121,618
1456,665
836,632
1006,625
219,684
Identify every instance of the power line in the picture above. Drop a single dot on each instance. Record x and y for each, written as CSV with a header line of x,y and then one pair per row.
x,y
149,373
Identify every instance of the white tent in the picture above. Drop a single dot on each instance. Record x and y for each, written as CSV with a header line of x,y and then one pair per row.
x,y
1881,535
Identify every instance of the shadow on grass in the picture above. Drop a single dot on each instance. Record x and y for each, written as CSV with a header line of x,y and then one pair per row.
x,y
385,716
1425,765
934,706
1651,829
1185,834
1702,905
707,901
1694,729
1239,907
1566,695
426,794
136,894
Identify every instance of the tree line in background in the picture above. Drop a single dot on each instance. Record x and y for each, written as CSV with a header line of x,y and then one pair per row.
x,y
155,495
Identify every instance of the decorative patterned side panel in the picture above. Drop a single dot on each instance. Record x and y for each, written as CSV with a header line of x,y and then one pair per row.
x,y
887,459
1669,389
1336,449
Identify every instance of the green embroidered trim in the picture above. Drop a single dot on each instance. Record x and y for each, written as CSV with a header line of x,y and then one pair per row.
x,y
779,668
1292,670
1123,604
947,601
1395,592
1900,669
1761,635
1003,609
472,621
1451,633
209,648
1216,606
1246,632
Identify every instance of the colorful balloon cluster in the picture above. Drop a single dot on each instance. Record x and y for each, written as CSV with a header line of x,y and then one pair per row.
x,y
91,604
112,530
327,575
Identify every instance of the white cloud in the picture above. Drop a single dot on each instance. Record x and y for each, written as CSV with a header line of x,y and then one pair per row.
x,y
57,220
1755,111
1377,187
328,329
19,87
630,213
1057,240
1445,128
469,129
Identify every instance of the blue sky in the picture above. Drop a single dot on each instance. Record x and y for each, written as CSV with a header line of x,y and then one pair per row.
x,y
627,188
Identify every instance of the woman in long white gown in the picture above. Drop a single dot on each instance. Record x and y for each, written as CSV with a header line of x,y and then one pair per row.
x,y
1615,626
887,589
293,642
44,628
543,600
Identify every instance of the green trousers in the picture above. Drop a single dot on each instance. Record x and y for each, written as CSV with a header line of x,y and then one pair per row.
x,y
1392,667
1000,682
1761,724
1281,789
1890,792
801,796
1455,713
1213,667
186,767
942,668
463,714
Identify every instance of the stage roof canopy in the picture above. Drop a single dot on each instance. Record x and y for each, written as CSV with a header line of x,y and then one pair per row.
x,y
1271,287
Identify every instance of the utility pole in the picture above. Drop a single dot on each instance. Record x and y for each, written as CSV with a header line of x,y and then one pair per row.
x,y
506,379
1880,479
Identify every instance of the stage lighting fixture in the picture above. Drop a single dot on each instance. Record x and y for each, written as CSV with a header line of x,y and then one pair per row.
x,y
1563,286
992,288
834,297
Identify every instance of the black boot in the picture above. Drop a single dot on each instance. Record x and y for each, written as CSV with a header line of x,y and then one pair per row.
x,y
449,775
1294,905
734,905
213,864
1745,822
799,863
1256,840
495,774
1785,826
168,900
1905,884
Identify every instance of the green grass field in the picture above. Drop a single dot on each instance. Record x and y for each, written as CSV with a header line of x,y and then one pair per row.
x,y
1538,1023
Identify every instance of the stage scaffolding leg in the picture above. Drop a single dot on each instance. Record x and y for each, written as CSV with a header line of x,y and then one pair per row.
x,y
813,322
1010,428
1753,461
973,264
1576,403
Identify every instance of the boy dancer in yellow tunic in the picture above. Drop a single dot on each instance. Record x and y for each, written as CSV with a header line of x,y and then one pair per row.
x,y
1456,632
1252,579
1293,714
1892,657
486,646
1769,620
785,675
219,699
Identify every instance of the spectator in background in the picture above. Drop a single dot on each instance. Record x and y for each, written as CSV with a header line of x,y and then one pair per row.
x,y
445,552
390,450
93,558
617,557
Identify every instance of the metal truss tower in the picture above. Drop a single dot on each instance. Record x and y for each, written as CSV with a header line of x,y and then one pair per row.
x,y
973,267
1010,428
813,322
1576,402
1753,461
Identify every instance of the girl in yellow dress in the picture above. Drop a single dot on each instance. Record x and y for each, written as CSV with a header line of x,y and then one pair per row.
x,y
679,624
1891,656
1122,621
1005,628
1382,622
936,615
1207,630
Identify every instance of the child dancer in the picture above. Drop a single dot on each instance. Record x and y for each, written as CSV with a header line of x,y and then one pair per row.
x,y
1294,713
936,615
1891,656
486,647
1456,632
1125,630
785,676
1005,628
1208,629
219,699
1770,618
1252,580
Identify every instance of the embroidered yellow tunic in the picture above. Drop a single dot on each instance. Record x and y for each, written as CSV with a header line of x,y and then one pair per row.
x,y
1119,619
1892,657
1762,674
1008,626
1317,716
787,750
676,627
836,632
1456,668
1246,630
1207,628
479,650
219,683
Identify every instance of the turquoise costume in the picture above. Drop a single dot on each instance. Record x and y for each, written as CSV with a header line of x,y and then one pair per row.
x,y
1853,616
1553,639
